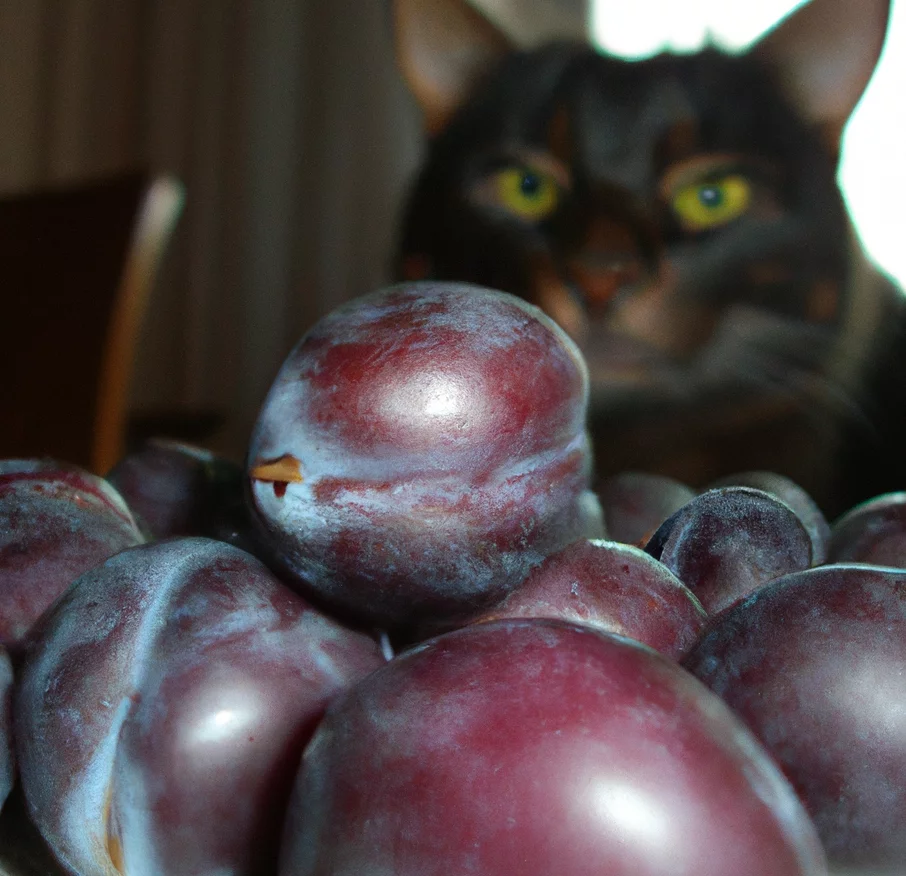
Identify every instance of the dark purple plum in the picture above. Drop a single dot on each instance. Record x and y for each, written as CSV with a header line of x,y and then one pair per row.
x,y
799,500
873,532
6,726
163,705
422,449
730,541
56,522
179,489
815,664
636,503
614,587
536,747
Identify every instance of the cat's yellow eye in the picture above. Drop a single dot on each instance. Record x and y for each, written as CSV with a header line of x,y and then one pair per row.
x,y
710,204
527,193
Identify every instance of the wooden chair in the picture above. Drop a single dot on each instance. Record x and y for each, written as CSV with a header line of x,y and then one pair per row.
x,y
76,269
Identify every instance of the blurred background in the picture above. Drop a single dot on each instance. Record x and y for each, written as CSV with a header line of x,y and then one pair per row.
x,y
294,136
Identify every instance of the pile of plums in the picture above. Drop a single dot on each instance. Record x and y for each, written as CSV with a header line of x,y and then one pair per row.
x,y
408,639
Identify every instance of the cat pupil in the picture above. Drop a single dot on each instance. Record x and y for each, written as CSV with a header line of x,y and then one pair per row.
x,y
530,184
710,196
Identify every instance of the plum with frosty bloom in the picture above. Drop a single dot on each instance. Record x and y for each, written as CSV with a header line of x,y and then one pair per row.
x,y
6,742
421,449
614,587
175,488
57,521
815,664
162,707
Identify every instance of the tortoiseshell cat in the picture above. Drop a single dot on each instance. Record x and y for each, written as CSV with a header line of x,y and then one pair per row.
x,y
680,217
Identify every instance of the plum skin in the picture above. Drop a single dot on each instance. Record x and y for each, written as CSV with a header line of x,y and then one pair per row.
x,y
789,492
433,439
813,663
163,704
175,488
612,586
6,722
538,747
636,503
56,522
729,541
873,532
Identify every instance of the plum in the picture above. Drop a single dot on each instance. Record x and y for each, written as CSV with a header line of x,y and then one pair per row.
x,y
6,740
615,587
636,503
56,522
729,541
539,747
815,664
798,499
36,464
163,704
179,489
873,532
420,450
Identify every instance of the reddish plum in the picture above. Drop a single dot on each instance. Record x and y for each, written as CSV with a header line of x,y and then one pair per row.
x,y
539,747
56,522
636,503
6,739
815,664
873,532
163,705
614,587
730,541
178,489
799,500
421,449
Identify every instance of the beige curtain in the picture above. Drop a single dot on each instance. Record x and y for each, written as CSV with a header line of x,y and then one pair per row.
x,y
291,130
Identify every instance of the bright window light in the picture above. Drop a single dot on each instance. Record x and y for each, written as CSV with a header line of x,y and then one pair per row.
x,y
873,167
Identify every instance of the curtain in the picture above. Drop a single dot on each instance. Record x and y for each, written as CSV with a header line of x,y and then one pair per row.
x,y
289,126
291,131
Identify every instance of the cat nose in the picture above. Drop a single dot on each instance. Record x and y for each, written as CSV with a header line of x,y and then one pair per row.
x,y
615,254
602,275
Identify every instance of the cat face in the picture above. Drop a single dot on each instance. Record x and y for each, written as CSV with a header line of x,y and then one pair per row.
x,y
679,217
643,205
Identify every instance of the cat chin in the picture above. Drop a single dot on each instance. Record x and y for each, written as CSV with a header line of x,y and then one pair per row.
x,y
759,378
749,349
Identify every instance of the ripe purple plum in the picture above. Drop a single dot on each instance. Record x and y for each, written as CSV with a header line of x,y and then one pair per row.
x,y
798,499
179,489
614,587
56,522
6,717
730,541
814,664
539,747
163,705
420,450
873,532
636,503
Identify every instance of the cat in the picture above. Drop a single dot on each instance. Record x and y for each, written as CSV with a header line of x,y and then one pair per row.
x,y
679,217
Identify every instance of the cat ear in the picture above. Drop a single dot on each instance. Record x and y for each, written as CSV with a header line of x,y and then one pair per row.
x,y
442,48
825,54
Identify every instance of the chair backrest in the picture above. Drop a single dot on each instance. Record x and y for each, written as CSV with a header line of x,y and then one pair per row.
x,y
76,269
